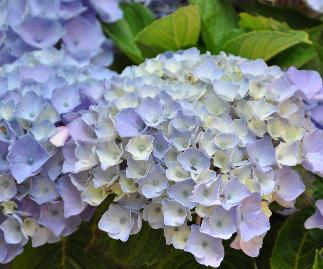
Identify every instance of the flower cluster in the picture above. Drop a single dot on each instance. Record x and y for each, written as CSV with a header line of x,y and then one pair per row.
x,y
27,25
197,145
39,95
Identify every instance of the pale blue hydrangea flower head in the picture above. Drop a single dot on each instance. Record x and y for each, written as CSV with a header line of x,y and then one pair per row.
x,y
186,136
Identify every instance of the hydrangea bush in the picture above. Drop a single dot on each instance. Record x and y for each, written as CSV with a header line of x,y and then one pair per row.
x,y
197,145
40,94
210,151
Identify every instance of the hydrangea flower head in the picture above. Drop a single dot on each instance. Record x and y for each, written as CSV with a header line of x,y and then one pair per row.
x,y
197,136
40,94
33,24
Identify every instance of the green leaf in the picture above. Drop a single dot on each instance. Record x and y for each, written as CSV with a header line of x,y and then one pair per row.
x,y
173,32
264,44
252,22
218,20
295,246
300,54
179,260
69,253
123,32
318,261
295,56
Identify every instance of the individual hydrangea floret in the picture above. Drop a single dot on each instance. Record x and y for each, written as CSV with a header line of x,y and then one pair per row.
x,y
40,94
199,145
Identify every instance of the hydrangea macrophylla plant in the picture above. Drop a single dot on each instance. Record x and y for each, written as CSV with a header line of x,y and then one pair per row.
x,y
27,25
39,95
188,138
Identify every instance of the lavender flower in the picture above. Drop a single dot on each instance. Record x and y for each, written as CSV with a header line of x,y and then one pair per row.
x,y
40,94
33,24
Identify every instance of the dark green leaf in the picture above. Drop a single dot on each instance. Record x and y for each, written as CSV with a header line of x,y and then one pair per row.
x,y
179,260
295,246
123,32
173,32
318,188
218,21
315,33
318,261
264,44
69,253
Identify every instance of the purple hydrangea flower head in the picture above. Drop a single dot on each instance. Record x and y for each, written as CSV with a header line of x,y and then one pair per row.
x,y
38,201
72,25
